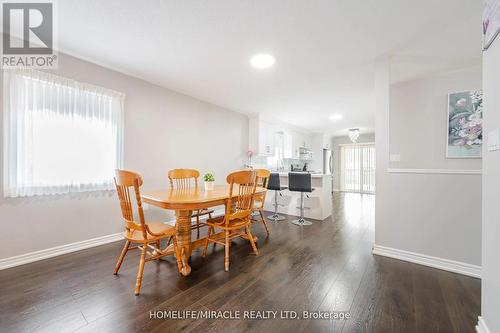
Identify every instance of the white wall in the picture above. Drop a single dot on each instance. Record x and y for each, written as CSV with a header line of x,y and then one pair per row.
x,y
163,130
490,290
435,215
418,120
336,142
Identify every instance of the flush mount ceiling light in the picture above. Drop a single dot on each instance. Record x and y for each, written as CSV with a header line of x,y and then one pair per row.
x,y
335,117
262,60
354,134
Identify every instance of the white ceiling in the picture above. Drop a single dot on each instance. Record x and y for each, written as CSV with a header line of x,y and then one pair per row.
x,y
324,49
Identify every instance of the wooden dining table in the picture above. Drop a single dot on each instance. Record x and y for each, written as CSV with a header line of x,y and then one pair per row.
x,y
184,202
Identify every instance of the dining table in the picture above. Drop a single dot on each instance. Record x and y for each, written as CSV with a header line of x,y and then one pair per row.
x,y
184,202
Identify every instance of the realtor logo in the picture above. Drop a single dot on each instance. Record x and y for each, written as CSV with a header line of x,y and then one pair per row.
x,y
28,39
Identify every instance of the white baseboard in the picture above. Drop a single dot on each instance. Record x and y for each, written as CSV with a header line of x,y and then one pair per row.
x,y
336,190
422,259
481,326
30,257
58,250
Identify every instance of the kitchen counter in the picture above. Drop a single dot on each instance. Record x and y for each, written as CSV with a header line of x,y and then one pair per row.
x,y
317,204
313,175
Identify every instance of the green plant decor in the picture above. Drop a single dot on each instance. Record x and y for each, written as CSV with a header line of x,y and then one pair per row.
x,y
208,177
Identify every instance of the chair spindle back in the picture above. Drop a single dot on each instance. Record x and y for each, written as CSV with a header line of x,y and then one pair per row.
x,y
125,181
183,178
262,181
241,202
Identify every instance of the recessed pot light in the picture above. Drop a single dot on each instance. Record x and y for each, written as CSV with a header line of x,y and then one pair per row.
x,y
335,117
262,60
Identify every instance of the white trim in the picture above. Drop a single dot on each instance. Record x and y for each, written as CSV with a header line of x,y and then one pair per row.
x,y
481,326
336,190
30,257
438,171
422,259
58,250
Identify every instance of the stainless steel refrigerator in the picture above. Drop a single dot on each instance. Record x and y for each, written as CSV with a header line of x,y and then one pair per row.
x,y
327,162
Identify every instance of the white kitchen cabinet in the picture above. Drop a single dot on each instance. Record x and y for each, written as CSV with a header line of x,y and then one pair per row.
x,y
288,151
307,141
301,141
261,137
267,143
296,144
326,142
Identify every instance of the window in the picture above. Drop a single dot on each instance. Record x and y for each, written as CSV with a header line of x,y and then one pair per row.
x,y
60,136
358,168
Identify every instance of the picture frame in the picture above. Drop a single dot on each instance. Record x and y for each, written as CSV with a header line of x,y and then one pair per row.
x,y
491,22
464,130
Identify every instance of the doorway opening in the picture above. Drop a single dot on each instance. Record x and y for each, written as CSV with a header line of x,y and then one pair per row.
x,y
357,171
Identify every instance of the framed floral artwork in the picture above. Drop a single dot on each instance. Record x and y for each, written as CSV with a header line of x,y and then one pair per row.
x,y
465,124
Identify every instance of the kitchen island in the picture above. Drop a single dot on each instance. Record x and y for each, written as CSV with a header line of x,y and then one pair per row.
x,y
317,204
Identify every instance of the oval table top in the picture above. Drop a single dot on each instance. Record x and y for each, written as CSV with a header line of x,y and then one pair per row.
x,y
191,198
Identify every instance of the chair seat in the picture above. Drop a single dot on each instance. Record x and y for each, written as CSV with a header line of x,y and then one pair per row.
x,y
162,228
233,224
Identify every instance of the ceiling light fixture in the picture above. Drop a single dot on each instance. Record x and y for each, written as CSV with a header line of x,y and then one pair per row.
x,y
262,60
354,134
335,117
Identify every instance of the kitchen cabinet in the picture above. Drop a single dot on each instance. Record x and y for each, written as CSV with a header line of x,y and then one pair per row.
x,y
299,140
296,143
261,137
288,151
307,141
326,142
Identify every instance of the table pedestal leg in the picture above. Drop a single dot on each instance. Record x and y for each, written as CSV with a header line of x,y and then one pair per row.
x,y
183,238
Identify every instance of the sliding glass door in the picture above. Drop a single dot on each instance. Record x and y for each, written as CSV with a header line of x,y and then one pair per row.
x,y
357,168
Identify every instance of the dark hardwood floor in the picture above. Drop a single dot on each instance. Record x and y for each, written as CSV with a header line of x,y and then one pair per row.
x,y
324,267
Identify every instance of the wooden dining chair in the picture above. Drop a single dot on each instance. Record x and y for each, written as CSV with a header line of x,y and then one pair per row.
x,y
237,218
185,179
260,199
147,235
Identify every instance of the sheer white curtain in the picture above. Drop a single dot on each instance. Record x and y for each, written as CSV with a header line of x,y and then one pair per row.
x,y
60,136
358,168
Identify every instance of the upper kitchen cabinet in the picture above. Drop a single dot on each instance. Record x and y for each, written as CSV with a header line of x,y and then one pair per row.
x,y
288,149
307,141
298,141
261,137
263,140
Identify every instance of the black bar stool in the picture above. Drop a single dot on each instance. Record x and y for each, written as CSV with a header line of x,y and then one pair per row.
x,y
300,182
274,184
